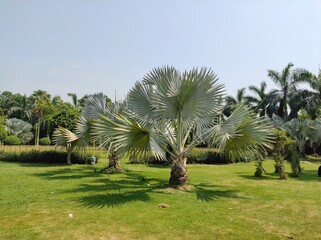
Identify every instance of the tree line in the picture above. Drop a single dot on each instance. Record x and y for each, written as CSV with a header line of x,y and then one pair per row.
x,y
33,117
28,119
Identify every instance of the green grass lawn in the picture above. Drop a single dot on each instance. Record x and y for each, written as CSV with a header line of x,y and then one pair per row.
x,y
224,202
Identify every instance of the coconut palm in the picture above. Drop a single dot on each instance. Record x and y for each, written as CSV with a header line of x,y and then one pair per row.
x,y
313,98
167,105
231,102
41,107
287,81
258,101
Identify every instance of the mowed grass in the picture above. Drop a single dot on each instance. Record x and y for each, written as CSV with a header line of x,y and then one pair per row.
x,y
223,202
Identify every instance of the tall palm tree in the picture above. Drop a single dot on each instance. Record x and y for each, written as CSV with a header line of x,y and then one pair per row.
x,y
231,102
258,101
167,105
74,98
313,98
40,107
287,81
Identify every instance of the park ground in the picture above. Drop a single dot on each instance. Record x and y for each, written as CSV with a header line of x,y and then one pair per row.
x,y
222,202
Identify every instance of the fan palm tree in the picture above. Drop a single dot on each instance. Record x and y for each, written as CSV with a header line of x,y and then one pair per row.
x,y
287,81
64,137
94,106
19,128
167,105
99,105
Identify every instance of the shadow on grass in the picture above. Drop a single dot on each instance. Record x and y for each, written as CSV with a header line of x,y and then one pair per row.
x,y
307,175
70,173
209,193
131,186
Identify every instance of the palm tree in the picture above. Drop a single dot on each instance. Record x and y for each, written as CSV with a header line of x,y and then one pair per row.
x,y
287,81
313,98
64,137
95,106
74,98
19,128
231,102
40,107
258,101
167,105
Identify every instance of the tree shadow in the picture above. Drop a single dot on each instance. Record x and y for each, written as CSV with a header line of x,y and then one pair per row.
x,y
209,193
307,175
130,186
69,173
108,192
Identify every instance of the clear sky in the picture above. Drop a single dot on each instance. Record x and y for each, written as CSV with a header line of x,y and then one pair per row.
x,y
89,46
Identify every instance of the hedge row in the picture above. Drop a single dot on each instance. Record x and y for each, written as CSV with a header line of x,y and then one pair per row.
x,y
51,157
196,156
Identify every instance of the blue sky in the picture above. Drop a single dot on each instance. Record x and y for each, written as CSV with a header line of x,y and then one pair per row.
x,y
105,46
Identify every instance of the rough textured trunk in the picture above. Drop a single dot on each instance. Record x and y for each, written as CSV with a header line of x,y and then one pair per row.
x,y
179,172
69,151
114,163
37,133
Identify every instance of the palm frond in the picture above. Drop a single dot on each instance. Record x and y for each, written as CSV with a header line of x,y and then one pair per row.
x,y
242,133
62,136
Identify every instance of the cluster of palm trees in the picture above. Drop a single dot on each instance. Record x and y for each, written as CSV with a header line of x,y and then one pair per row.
x,y
168,113
288,100
35,115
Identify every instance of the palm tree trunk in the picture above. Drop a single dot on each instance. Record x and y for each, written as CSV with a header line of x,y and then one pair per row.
x,y
37,133
179,174
114,163
69,157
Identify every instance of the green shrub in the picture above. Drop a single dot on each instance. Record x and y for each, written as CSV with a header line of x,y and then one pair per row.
x,y
45,141
3,133
206,156
52,157
12,140
196,156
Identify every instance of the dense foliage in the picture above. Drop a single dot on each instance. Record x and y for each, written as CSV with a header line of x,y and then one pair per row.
x,y
52,157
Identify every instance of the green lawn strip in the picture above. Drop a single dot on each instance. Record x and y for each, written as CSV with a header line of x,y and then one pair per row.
x,y
223,202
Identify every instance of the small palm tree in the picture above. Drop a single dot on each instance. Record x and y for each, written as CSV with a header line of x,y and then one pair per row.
x,y
64,137
96,106
167,105
19,128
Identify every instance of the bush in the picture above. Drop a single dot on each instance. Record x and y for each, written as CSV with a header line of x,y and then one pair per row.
x,y
12,140
45,141
206,156
52,157
3,133
196,156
